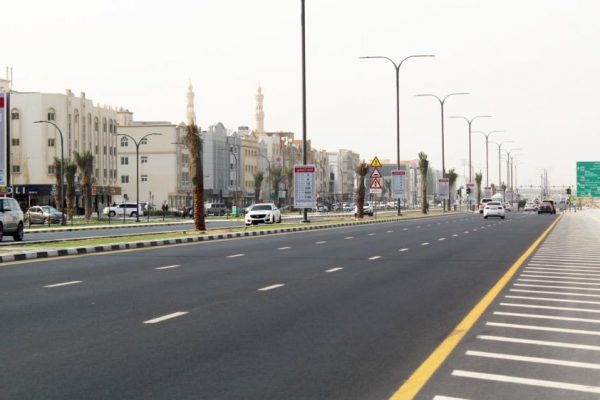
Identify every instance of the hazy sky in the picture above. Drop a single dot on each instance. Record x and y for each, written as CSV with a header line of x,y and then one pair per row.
x,y
533,65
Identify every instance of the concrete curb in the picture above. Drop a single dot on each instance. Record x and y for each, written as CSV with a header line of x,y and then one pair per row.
x,y
36,254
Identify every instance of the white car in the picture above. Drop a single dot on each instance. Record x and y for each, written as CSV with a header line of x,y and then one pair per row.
x,y
507,206
530,207
11,219
266,213
129,209
367,209
494,209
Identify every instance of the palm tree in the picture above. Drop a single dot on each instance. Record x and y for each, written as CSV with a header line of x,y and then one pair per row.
x,y
451,175
478,178
361,171
276,174
258,179
194,143
70,171
58,193
423,168
85,163
289,178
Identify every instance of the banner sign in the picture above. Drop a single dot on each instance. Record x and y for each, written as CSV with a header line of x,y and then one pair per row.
x,y
398,184
3,127
304,186
487,192
444,188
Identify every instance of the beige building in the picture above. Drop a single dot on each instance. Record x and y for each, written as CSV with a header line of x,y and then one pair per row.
x,y
34,146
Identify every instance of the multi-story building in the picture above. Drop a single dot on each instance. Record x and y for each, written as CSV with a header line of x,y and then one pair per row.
x,y
164,161
342,167
34,146
253,160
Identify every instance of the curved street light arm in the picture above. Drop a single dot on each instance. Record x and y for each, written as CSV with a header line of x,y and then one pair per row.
x,y
397,66
454,94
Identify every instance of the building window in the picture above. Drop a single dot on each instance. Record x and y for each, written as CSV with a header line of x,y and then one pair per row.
x,y
144,178
96,173
16,169
51,142
124,178
95,124
14,115
104,150
51,116
104,173
96,149
124,160
104,125
51,170
15,142
124,142
144,160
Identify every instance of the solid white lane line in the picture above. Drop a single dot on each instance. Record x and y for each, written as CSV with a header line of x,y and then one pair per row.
x,y
527,381
558,281
349,237
277,285
321,242
284,248
165,317
169,267
404,249
441,239
588,310
565,266
374,257
553,286
235,255
62,284
438,397
537,360
552,317
544,328
554,300
539,342
334,269
551,292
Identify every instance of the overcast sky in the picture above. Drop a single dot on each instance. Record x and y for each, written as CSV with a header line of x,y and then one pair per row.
x,y
533,65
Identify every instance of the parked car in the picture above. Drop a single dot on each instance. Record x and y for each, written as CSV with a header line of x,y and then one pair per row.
x,y
367,209
494,209
216,209
547,206
127,209
11,218
266,213
348,207
483,203
43,214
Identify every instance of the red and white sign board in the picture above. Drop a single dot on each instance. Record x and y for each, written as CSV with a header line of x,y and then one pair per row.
x,y
3,126
444,188
398,184
304,186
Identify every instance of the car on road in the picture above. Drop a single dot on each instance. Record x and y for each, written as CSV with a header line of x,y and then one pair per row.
x,y
482,204
494,209
267,213
11,219
530,206
217,209
43,214
367,209
507,206
546,207
123,209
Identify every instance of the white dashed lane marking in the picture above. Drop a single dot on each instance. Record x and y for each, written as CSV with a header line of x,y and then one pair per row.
x,y
168,267
321,242
62,284
235,255
404,249
165,317
334,269
284,248
349,237
267,288
374,257
425,244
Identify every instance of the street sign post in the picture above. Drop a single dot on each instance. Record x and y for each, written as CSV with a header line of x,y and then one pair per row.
x,y
376,187
398,183
3,128
588,179
304,186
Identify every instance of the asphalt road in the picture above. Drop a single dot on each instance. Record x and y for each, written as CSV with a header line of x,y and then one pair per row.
x,y
343,313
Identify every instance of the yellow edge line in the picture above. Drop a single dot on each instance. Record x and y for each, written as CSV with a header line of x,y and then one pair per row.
x,y
419,378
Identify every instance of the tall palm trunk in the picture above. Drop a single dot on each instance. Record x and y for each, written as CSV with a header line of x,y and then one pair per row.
x,y
452,176
85,163
258,180
70,170
423,168
361,171
194,143
478,179
58,192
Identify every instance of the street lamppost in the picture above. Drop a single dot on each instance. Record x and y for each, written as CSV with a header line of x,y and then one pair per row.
x,y
397,68
137,169
499,159
62,168
487,165
470,122
237,180
442,102
508,160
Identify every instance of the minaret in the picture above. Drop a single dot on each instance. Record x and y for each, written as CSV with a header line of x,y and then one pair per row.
x,y
191,114
260,115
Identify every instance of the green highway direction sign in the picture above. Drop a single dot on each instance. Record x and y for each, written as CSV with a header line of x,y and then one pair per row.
x,y
588,178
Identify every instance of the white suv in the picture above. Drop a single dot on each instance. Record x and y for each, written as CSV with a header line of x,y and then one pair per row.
x,y
11,218
127,209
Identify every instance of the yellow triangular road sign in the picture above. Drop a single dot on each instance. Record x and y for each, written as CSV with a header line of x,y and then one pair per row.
x,y
376,163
